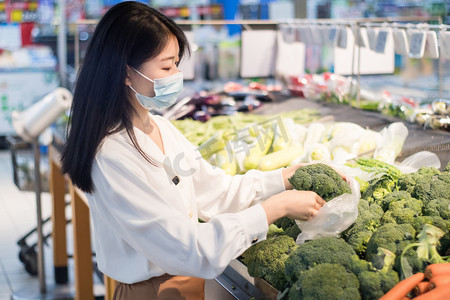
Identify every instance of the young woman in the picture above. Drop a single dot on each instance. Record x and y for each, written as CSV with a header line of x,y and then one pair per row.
x,y
147,186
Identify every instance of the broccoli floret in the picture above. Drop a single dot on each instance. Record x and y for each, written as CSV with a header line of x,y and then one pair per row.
x,y
289,227
267,259
390,236
447,168
379,280
379,188
284,223
368,220
428,171
326,281
320,178
274,230
357,265
408,181
392,197
402,211
438,207
318,251
427,184
293,231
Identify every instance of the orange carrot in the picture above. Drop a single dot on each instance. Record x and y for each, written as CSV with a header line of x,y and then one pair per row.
x,y
438,281
421,287
439,293
402,288
405,298
437,269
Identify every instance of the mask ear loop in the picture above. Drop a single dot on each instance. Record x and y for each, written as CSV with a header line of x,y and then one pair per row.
x,y
143,75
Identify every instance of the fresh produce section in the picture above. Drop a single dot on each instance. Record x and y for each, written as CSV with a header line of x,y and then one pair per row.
x,y
403,222
399,233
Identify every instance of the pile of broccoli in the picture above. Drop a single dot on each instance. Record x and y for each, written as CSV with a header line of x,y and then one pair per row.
x,y
403,225
267,259
320,178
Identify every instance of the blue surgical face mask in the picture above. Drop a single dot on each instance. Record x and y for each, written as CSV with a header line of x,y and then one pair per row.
x,y
167,90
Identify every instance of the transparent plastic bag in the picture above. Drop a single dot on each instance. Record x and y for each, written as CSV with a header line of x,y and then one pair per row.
x,y
418,160
334,217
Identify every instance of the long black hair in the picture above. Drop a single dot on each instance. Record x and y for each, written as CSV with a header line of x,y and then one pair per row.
x,y
128,34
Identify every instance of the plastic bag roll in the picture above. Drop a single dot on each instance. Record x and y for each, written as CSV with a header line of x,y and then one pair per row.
x,y
31,122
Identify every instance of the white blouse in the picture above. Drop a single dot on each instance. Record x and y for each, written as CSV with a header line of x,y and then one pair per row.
x,y
145,225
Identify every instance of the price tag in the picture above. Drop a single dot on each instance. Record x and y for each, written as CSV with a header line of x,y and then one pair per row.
x,y
342,42
431,45
401,44
372,38
362,38
444,44
380,44
417,44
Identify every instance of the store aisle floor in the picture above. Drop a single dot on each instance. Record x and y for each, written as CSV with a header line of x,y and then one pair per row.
x,y
17,218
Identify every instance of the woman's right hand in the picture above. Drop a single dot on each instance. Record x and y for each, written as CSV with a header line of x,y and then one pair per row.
x,y
300,205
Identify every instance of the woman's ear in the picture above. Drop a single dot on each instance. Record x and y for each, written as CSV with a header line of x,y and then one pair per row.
x,y
127,78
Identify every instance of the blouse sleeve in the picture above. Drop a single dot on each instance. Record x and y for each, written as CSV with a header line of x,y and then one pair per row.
x,y
157,227
218,192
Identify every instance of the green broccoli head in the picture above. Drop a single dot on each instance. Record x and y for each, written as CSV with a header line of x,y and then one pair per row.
x,y
274,230
381,278
390,236
318,251
368,220
320,178
429,187
326,281
267,259
293,231
373,284
378,189
357,265
358,239
393,197
438,207
447,168
284,223
403,211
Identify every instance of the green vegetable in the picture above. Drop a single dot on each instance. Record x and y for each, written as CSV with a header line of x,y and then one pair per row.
x,y
266,259
402,210
322,250
326,281
390,236
381,278
320,178
426,184
426,248
368,220
438,207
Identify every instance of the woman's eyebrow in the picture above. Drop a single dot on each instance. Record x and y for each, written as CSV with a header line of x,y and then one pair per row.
x,y
168,58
